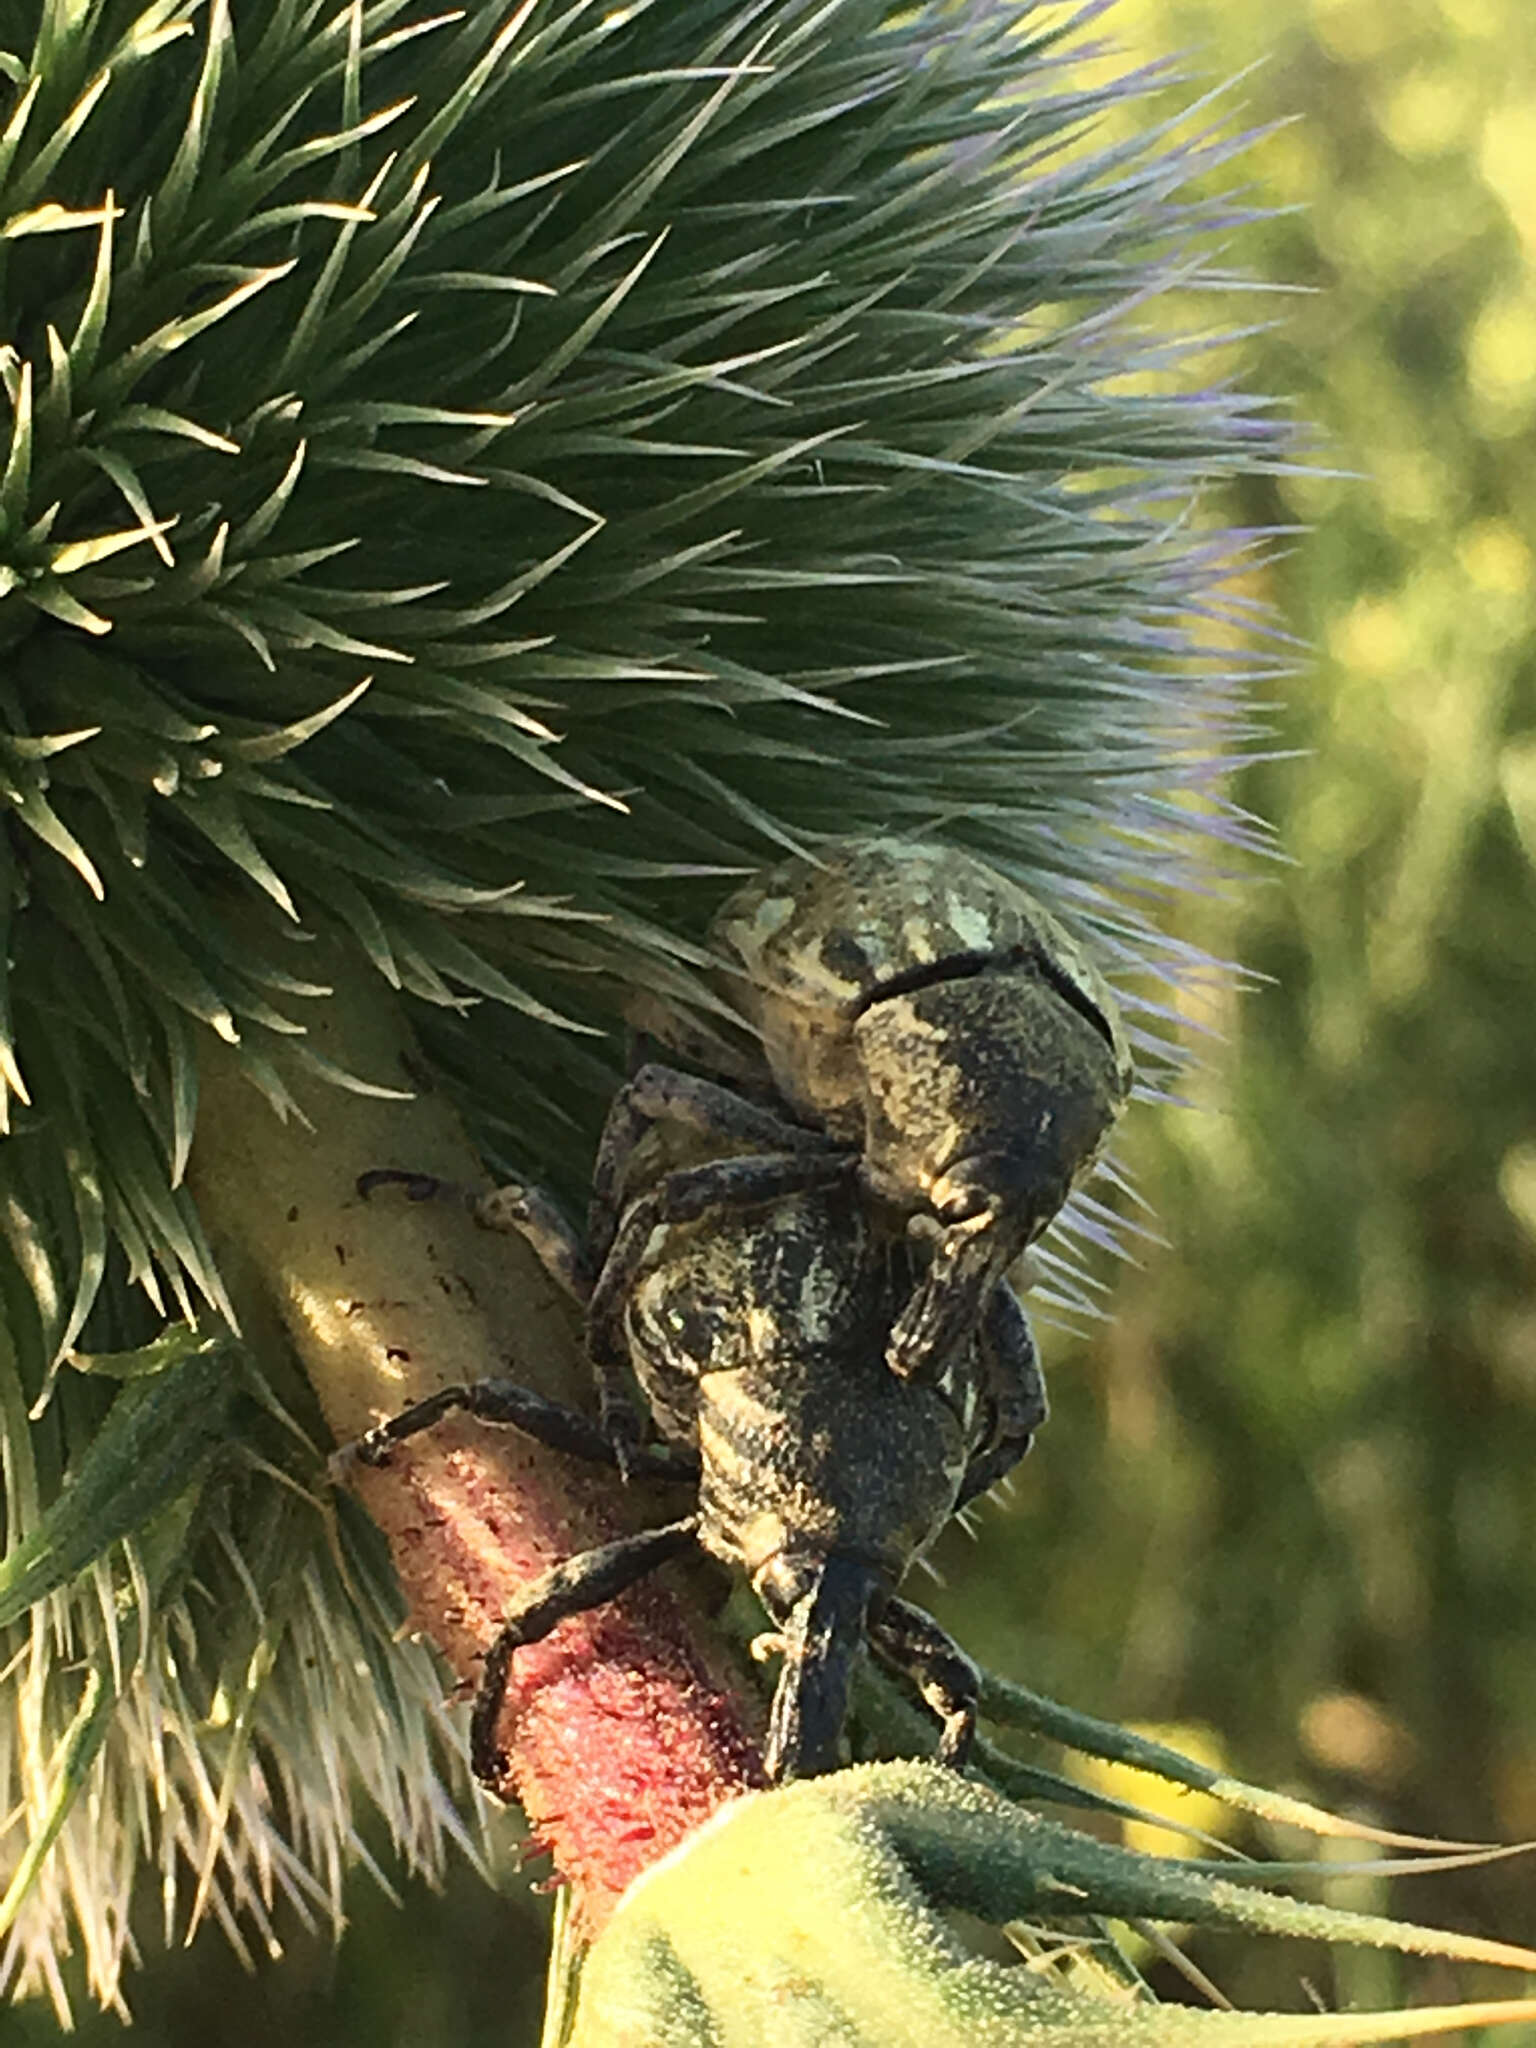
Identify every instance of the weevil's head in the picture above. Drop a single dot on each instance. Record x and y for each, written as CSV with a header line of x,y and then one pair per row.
x,y
988,1097
810,944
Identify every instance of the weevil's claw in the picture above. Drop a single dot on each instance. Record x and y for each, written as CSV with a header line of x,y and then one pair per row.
x,y
769,1644
506,1208
342,1463
621,1426
419,1187
372,1448
957,1738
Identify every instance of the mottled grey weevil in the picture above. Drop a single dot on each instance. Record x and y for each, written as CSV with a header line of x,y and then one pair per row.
x,y
757,1337
908,1002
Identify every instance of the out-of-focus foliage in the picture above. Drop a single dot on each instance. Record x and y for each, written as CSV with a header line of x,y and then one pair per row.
x,y
1289,1492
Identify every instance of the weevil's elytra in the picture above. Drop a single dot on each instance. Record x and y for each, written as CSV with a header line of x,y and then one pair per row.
x,y
810,942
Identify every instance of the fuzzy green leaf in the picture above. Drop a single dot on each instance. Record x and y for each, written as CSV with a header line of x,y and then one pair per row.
x,y
816,1913
158,1435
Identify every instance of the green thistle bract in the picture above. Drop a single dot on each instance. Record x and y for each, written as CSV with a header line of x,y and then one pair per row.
x,y
472,481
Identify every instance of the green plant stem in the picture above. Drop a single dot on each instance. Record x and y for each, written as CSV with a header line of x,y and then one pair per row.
x,y
622,1731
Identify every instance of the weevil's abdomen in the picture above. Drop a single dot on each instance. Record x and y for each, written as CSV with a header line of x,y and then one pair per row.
x,y
824,1457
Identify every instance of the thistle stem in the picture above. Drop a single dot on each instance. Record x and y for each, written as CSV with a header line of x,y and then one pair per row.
x,y
621,1730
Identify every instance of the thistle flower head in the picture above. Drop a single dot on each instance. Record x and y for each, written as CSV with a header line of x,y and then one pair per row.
x,y
473,481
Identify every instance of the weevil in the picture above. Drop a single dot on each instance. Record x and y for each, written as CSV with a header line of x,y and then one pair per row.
x,y
910,1005
757,1336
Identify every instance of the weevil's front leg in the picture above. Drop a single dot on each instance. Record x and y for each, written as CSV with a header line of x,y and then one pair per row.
x,y
503,1401
586,1580
912,1642
1011,1363
662,1094
683,1197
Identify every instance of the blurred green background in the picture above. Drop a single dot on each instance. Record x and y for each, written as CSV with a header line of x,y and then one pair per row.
x,y
1285,1496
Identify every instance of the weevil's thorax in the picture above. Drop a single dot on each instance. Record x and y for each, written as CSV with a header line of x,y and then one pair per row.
x,y
990,1084
816,1457
735,1293
765,1334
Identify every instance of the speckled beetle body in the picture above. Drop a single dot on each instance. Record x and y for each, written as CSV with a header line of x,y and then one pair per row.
x,y
757,1335
803,1262
923,1010
759,1338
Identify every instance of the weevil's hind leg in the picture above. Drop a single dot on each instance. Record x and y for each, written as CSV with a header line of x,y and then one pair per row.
x,y
821,1638
1016,1384
662,1094
503,1401
911,1641
586,1580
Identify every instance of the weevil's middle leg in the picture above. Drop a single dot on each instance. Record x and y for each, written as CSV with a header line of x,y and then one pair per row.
x,y
587,1580
527,1212
504,1401
533,1215
912,1641
662,1094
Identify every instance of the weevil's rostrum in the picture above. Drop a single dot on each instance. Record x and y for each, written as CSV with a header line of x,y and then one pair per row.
x,y
922,1007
